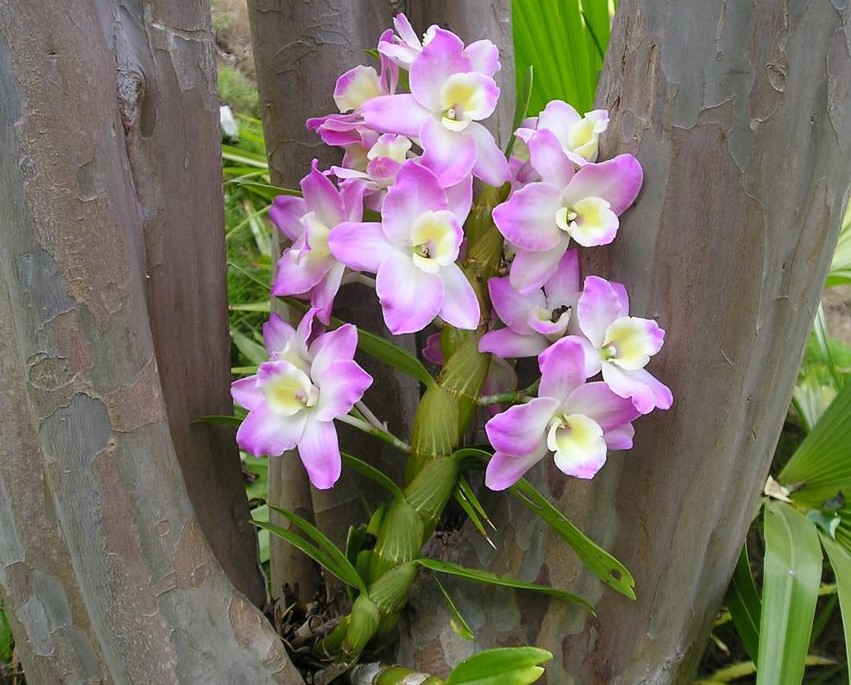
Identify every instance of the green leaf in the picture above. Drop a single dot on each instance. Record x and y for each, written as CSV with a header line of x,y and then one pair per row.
x,y
372,473
793,563
252,351
489,578
599,561
379,348
820,331
821,466
264,191
465,496
456,620
504,666
521,104
244,157
263,306
744,605
331,557
840,561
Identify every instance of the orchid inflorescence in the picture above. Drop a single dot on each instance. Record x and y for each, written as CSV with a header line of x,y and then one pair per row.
x,y
396,209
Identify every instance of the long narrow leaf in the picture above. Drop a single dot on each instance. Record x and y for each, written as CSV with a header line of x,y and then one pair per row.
x,y
840,561
456,620
489,578
502,666
372,473
793,562
745,605
343,567
346,572
252,351
599,561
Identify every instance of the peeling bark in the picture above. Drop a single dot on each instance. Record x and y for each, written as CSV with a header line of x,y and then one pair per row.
x,y
104,565
739,114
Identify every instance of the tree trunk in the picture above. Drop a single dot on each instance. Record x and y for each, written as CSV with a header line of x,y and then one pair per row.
x,y
111,317
739,115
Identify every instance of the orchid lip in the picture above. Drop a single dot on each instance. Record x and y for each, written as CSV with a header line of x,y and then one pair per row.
x,y
290,392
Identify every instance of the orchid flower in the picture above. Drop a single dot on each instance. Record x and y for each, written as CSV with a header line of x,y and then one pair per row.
x,y
579,136
413,252
296,395
308,267
452,90
382,162
541,218
576,421
536,320
404,48
620,345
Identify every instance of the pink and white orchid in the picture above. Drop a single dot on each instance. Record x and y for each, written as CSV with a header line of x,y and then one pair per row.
x,y
576,421
540,219
308,268
579,136
413,252
294,398
620,345
404,48
452,90
534,321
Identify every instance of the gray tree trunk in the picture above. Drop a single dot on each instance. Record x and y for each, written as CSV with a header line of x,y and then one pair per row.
x,y
740,114
112,322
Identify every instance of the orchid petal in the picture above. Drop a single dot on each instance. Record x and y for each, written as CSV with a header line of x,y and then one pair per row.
x,y
620,438
563,286
286,212
339,344
597,401
360,246
491,165
440,59
599,305
512,307
528,219
508,344
483,56
264,432
322,296
616,180
277,333
410,298
581,448
247,393
343,383
400,114
460,198
319,451
504,470
460,306
322,197
645,391
415,192
562,369
451,156
549,159
298,275
531,270
520,430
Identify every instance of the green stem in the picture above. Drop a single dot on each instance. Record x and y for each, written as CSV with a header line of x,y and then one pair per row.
x,y
512,397
375,431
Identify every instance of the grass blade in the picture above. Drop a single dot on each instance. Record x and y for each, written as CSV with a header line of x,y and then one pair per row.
x,y
745,605
840,561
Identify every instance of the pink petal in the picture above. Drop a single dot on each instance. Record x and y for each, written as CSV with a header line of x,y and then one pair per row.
x,y
343,384
558,117
400,114
322,197
405,30
549,159
616,180
286,212
246,393
563,286
360,246
620,438
441,58
410,298
598,402
528,219
645,391
432,351
484,57
598,306
460,198
512,307
276,333
448,154
520,430
460,306
416,191
562,369
320,453
508,344
352,195
331,347
264,432
296,277
491,165
582,462
530,270
504,470
322,296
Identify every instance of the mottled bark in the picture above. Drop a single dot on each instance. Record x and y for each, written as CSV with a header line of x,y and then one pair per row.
x,y
739,114
110,253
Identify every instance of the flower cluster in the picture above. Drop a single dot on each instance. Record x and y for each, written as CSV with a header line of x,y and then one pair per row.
x,y
393,215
